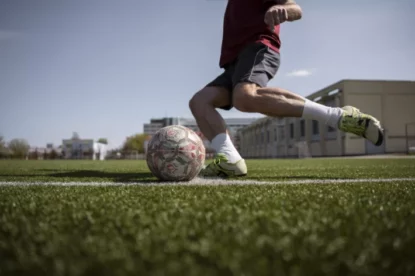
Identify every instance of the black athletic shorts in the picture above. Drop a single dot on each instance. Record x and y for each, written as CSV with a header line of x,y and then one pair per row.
x,y
257,63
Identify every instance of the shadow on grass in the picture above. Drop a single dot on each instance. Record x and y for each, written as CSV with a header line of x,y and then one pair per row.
x,y
46,170
147,177
113,176
90,175
143,177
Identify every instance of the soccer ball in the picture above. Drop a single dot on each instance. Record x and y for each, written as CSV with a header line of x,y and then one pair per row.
x,y
175,153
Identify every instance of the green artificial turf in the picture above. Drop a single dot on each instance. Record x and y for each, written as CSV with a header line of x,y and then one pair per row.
x,y
307,229
266,170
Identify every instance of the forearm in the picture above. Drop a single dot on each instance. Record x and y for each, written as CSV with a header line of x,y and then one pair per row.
x,y
294,12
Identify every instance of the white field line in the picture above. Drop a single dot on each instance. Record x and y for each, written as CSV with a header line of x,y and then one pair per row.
x,y
212,182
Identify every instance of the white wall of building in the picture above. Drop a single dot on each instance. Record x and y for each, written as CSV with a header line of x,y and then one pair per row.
x,y
84,149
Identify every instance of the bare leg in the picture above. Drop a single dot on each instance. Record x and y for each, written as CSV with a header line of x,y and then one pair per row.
x,y
289,104
203,106
271,101
278,102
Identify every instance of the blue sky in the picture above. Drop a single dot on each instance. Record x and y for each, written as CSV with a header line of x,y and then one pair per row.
x,y
103,68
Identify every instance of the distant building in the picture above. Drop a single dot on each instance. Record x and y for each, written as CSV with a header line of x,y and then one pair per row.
x,y
41,153
156,124
76,148
392,102
233,124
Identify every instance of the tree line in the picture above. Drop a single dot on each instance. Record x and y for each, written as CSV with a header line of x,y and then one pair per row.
x,y
16,148
20,148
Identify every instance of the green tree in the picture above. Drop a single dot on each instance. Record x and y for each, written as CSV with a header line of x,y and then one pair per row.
x,y
53,154
19,148
35,154
3,148
2,143
103,141
135,143
113,154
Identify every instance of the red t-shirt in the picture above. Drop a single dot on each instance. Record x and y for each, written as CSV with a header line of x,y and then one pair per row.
x,y
244,24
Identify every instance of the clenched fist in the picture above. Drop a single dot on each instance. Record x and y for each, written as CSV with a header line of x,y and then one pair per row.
x,y
275,16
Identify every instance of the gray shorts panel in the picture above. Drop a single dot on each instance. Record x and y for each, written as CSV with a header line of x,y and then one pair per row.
x,y
257,63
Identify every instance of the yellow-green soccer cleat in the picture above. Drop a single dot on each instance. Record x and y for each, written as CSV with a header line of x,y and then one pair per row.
x,y
220,167
361,124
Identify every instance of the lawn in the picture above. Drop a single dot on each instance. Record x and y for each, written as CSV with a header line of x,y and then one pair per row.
x,y
362,226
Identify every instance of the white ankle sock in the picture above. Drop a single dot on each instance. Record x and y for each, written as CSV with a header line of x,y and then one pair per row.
x,y
315,111
222,143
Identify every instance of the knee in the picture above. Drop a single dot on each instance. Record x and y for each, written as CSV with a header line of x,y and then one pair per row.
x,y
199,101
243,96
209,97
195,102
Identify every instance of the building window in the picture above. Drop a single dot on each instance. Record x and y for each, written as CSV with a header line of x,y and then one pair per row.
x,y
275,134
268,139
316,129
331,129
292,130
302,128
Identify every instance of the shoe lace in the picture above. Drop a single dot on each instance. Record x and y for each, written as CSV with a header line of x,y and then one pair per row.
x,y
356,125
